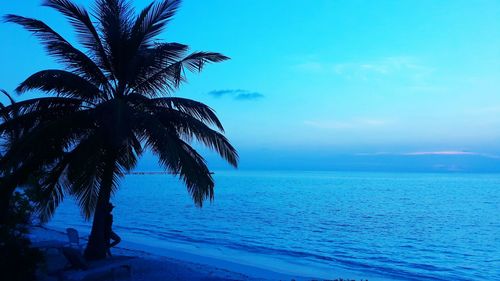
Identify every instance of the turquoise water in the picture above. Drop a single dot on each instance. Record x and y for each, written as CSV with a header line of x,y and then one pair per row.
x,y
386,226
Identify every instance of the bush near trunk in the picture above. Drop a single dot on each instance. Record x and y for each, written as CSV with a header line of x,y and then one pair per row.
x,y
18,261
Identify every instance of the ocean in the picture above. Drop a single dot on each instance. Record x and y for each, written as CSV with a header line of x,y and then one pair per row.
x,y
376,226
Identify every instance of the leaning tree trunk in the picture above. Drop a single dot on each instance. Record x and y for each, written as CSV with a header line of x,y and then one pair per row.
x,y
97,245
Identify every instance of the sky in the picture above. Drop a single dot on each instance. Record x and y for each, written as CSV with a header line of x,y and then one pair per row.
x,y
345,85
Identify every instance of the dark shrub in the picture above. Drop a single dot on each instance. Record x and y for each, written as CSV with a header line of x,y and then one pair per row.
x,y
17,260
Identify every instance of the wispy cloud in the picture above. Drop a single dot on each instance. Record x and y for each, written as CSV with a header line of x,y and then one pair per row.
x,y
407,66
237,94
346,124
429,153
249,96
220,93
445,152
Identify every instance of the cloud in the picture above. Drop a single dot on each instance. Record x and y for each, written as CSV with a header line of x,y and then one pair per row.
x,y
349,124
401,66
439,153
220,93
237,94
249,96
312,66
446,152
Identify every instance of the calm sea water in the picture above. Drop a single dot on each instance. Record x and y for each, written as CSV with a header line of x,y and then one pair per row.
x,y
325,224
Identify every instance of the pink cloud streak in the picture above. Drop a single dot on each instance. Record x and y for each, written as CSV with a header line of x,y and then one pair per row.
x,y
446,152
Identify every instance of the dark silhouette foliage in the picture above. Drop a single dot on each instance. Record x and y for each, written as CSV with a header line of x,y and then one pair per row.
x,y
16,175
18,261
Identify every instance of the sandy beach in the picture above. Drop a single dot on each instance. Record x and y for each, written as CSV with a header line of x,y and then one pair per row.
x,y
152,266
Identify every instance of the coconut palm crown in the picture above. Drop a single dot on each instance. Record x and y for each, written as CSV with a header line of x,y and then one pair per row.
x,y
110,103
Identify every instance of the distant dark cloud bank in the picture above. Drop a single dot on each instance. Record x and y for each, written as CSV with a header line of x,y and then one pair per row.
x,y
237,94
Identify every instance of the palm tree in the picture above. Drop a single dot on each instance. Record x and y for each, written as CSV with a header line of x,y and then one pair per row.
x,y
108,105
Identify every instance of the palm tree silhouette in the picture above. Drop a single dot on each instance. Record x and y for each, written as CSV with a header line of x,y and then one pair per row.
x,y
108,105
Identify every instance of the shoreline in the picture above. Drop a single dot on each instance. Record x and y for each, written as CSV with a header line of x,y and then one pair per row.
x,y
163,263
256,266
244,266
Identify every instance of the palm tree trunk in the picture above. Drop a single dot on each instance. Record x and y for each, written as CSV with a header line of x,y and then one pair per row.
x,y
97,245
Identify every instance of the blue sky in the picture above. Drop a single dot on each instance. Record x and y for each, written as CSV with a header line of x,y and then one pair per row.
x,y
315,78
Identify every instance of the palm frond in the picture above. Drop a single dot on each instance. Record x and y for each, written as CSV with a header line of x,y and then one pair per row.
x,y
151,60
115,20
196,61
3,113
151,21
189,127
195,174
169,77
44,136
52,194
178,157
191,107
57,46
80,19
40,105
26,122
52,190
129,153
85,181
63,84
11,100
